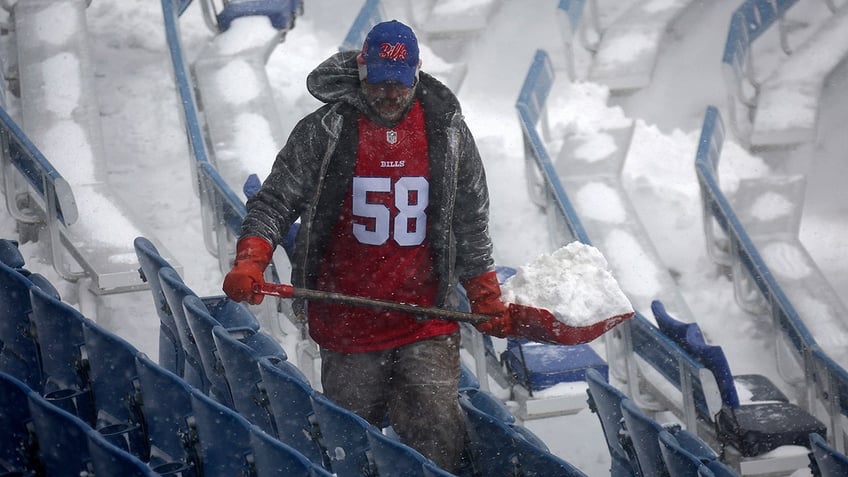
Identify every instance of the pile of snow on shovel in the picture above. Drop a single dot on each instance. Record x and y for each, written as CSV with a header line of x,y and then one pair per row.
x,y
574,283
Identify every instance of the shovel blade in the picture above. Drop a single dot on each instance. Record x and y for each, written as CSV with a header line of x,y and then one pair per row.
x,y
540,325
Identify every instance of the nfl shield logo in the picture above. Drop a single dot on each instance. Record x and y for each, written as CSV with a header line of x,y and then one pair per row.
x,y
391,137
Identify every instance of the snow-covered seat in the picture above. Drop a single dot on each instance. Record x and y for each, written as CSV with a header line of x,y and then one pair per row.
x,y
243,127
61,119
628,49
788,102
747,23
772,268
739,77
588,167
779,108
580,31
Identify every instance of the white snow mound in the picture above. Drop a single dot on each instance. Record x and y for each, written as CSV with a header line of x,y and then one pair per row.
x,y
574,283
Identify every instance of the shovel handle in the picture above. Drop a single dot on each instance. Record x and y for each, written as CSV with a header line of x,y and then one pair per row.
x,y
283,290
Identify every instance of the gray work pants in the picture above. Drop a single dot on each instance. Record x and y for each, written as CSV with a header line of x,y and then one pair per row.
x,y
415,385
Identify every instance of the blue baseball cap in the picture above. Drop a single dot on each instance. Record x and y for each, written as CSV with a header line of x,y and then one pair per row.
x,y
390,53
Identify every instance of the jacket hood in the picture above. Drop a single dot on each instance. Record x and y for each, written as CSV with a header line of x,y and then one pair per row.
x,y
336,79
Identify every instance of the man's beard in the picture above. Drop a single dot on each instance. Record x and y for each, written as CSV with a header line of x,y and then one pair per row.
x,y
389,112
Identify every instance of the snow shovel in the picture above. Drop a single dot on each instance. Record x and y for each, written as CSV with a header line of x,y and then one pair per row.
x,y
534,324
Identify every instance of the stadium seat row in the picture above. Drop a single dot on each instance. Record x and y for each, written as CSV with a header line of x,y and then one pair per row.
x,y
250,371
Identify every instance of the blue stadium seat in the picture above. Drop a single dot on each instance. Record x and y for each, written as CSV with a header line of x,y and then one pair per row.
x,y
343,434
433,470
535,461
115,385
240,351
491,444
488,403
166,407
10,254
538,366
830,462
280,13
272,458
718,469
644,432
467,379
17,452
171,354
689,337
369,15
393,457
678,461
605,401
290,398
203,314
201,322
704,471
224,437
669,325
18,346
62,439
742,425
496,448
65,373
108,459
175,290
760,15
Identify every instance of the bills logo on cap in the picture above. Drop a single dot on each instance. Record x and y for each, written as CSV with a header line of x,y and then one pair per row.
x,y
395,51
390,53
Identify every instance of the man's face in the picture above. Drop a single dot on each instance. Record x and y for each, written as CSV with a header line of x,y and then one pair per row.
x,y
390,100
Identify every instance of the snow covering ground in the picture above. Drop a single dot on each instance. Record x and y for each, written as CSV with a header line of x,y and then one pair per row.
x,y
148,162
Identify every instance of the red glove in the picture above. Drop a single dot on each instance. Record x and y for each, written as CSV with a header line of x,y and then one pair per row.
x,y
253,254
484,293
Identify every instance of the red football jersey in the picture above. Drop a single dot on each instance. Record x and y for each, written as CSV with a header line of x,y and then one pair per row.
x,y
379,247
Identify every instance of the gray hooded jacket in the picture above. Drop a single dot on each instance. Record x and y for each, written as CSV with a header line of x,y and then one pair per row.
x,y
313,173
